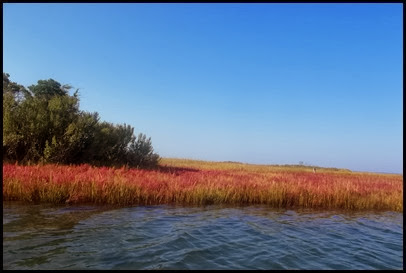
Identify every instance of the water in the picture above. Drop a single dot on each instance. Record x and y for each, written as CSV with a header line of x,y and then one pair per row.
x,y
214,237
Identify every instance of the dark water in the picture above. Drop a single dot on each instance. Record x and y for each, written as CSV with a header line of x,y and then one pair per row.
x,y
165,237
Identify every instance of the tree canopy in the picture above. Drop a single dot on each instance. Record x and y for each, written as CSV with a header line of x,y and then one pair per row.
x,y
44,124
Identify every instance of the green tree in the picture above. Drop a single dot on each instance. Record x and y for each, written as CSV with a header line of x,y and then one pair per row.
x,y
36,118
49,88
44,124
109,144
13,96
141,153
70,146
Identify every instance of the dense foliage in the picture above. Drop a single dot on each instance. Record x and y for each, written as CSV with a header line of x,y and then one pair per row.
x,y
43,124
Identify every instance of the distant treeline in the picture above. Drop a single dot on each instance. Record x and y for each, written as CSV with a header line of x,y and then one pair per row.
x,y
43,124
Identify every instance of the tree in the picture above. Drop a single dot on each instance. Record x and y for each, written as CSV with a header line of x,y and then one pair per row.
x,y
44,124
70,146
141,153
49,88
13,96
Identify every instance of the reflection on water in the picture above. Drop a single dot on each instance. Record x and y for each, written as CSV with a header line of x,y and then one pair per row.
x,y
214,237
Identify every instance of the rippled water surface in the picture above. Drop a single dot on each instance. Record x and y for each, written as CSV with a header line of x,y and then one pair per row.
x,y
168,237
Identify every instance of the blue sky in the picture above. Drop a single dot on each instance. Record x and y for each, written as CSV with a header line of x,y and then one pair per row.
x,y
256,83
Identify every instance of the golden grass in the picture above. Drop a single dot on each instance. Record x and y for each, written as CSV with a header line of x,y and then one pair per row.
x,y
180,181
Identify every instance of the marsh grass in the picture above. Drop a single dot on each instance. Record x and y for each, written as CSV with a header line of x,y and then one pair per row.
x,y
194,182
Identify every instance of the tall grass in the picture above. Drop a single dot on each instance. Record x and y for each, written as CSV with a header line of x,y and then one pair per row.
x,y
203,183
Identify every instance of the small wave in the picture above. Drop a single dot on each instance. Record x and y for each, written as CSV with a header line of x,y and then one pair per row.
x,y
200,238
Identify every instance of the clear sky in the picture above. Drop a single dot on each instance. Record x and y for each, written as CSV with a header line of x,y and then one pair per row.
x,y
255,83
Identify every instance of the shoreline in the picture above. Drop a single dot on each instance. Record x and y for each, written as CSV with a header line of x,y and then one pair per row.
x,y
191,182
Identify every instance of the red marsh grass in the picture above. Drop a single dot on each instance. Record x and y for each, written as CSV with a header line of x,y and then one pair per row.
x,y
203,183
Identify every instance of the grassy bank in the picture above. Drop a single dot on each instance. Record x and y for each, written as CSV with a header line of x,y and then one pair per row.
x,y
180,181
